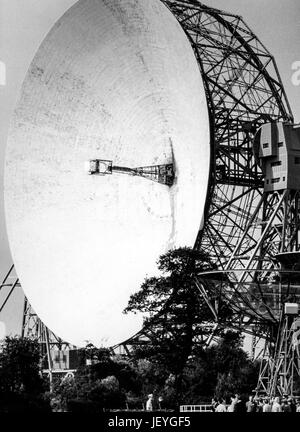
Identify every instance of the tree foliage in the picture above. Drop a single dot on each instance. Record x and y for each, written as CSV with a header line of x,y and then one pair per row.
x,y
20,381
100,383
173,310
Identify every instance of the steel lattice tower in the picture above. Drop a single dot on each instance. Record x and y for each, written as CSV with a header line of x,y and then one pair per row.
x,y
244,91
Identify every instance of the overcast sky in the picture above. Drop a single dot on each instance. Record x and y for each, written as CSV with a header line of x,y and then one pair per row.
x,y
24,24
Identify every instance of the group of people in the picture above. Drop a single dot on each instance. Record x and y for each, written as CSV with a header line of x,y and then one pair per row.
x,y
257,404
149,403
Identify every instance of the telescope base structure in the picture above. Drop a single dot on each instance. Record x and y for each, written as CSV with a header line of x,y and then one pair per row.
x,y
280,366
55,353
262,281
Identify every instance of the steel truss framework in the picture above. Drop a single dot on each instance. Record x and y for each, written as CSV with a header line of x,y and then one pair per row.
x,y
243,90
280,364
244,227
32,326
253,289
269,279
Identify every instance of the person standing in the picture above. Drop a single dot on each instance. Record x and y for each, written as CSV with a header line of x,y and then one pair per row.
x,y
232,405
214,404
292,404
260,404
267,406
239,406
251,405
160,401
285,407
276,407
222,406
149,403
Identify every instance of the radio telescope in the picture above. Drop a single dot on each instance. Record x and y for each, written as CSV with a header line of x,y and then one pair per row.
x,y
246,228
244,91
113,81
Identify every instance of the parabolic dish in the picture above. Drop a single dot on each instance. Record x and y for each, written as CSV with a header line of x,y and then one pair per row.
x,y
116,80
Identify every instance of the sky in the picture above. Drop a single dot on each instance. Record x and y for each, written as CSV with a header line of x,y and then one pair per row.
x,y
25,23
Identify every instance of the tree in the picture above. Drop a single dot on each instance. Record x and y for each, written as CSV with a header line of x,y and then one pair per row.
x,y
21,385
174,311
101,384
222,369
236,373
